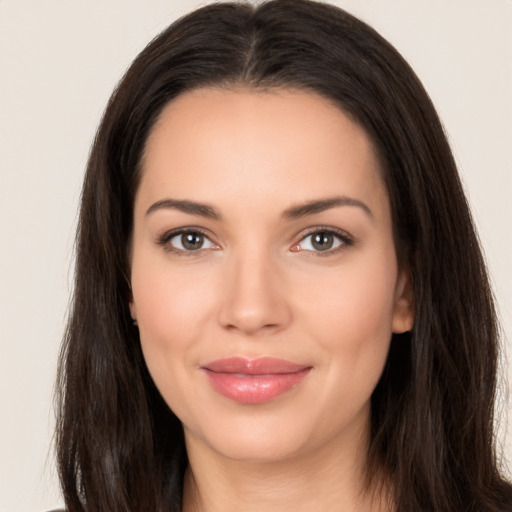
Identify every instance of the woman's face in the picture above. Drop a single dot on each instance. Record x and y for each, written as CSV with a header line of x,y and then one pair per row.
x,y
264,276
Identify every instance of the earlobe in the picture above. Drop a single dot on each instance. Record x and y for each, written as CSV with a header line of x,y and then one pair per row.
x,y
403,309
133,311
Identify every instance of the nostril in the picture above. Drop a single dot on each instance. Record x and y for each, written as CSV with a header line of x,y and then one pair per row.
x,y
254,321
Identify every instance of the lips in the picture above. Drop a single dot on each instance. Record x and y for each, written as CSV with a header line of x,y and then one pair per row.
x,y
254,381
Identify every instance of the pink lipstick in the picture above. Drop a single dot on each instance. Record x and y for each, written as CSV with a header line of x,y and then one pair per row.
x,y
254,381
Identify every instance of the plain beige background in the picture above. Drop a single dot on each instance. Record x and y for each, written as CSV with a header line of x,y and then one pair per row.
x,y
59,61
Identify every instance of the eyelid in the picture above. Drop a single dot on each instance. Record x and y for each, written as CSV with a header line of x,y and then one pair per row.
x,y
346,239
165,237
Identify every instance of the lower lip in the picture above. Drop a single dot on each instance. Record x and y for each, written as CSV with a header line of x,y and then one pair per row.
x,y
255,389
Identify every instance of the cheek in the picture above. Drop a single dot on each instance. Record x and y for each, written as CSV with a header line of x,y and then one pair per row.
x,y
167,315
170,310
350,312
167,299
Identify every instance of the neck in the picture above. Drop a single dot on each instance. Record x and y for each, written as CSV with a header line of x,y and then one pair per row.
x,y
330,477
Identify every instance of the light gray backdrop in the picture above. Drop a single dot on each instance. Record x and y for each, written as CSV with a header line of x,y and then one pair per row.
x,y
59,61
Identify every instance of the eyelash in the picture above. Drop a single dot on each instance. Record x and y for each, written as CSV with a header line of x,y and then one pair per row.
x,y
164,239
344,238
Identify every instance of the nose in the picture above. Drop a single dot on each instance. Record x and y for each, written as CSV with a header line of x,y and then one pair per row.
x,y
255,296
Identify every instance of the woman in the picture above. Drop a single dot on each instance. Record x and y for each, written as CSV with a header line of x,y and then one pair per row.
x,y
280,301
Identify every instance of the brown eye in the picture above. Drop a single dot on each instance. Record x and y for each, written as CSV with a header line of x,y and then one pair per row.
x,y
322,241
189,241
192,241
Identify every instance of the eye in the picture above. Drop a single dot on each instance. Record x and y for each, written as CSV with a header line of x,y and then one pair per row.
x,y
187,241
323,240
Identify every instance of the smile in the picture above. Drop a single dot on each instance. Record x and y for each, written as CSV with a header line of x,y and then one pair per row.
x,y
254,381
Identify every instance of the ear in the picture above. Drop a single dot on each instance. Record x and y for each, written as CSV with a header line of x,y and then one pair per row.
x,y
133,309
403,308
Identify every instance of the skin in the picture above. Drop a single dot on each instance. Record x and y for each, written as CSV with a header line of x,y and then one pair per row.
x,y
258,287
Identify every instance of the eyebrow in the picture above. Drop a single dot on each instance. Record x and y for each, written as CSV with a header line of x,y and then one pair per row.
x,y
321,205
190,207
295,212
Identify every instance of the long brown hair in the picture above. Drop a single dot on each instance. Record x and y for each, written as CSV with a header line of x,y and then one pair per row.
x,y
120,448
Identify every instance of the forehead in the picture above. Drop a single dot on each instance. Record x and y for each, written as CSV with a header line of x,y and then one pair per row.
x,y
284,144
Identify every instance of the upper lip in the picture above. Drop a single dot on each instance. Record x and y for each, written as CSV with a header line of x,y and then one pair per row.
x,y
259,366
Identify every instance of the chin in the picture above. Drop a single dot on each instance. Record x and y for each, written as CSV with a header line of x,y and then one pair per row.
x,y
251,439
270,449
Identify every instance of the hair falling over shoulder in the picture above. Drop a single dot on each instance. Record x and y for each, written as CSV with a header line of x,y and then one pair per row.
x,y
120,448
